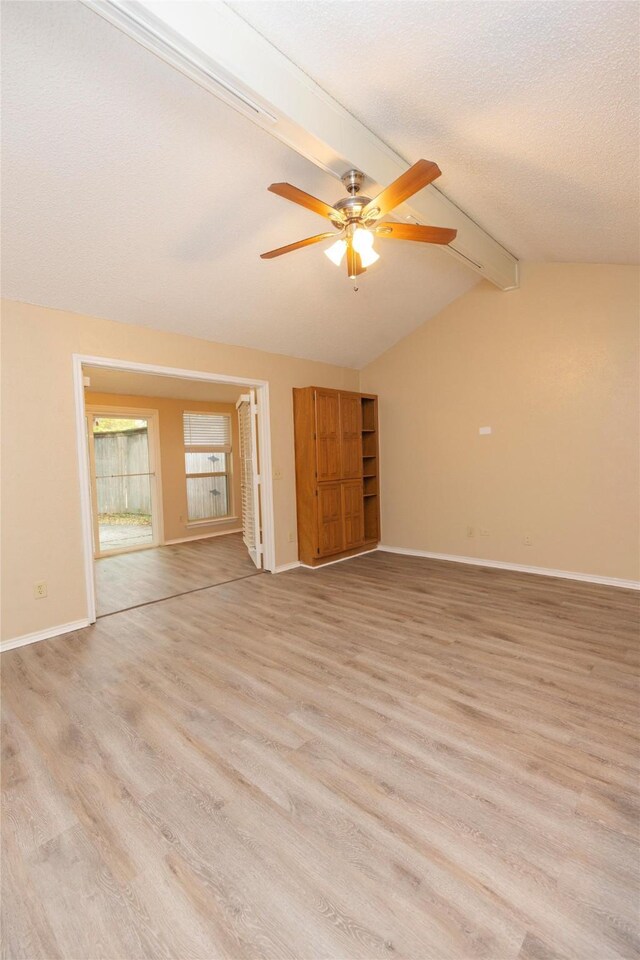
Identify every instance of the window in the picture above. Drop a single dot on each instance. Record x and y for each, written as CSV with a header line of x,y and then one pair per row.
x,y
207,457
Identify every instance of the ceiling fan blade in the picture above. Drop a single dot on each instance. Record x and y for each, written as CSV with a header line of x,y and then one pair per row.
x,y
295,246
415,178
414,231
292,193
354,263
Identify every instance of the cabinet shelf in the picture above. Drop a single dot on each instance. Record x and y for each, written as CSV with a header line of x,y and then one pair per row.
x,y
370,468
336,440
370,486
369,414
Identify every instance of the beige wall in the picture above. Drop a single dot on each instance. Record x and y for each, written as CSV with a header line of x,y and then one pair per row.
x,y
171,441
41,535
552,368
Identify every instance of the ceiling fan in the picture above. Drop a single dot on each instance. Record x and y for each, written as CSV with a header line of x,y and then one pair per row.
x,y
359,220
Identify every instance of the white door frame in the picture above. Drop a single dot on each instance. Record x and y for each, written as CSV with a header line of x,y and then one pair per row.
x,y
155,477
264,440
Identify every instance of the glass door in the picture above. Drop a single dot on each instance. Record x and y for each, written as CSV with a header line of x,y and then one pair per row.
x,y
123,482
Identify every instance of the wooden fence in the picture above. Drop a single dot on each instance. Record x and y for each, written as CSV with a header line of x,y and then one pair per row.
x,y
118,455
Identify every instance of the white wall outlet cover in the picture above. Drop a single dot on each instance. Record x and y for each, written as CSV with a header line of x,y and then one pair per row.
x,y
483,431
86,381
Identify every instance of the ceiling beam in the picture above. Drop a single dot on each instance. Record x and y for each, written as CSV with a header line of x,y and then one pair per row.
x,y
213,46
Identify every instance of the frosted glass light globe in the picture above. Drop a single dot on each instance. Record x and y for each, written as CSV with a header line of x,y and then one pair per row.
x,y
367,257
336,251
362,240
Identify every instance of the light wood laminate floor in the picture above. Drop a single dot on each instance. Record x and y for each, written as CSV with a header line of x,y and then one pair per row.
x,y
129,579
390,757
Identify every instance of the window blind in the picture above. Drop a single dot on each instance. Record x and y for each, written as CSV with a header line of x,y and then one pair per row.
x,y
207,430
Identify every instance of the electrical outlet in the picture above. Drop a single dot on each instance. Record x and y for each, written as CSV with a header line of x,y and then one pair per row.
x,y
277,473
292,537
471,532
40,589
484,532
527,540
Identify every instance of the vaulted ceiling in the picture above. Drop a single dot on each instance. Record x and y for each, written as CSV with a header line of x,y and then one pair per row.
x,y
531,108
131,193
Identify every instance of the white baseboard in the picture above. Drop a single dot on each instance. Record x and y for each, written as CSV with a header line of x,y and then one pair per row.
x,y
202,536
286,566
355,556
517,567
43,634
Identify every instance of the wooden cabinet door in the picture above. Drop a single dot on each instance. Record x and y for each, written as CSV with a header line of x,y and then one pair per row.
x,y
352,513
330,532
350,436
327,435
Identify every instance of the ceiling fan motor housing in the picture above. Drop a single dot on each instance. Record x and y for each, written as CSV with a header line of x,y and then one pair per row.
x,y
351,207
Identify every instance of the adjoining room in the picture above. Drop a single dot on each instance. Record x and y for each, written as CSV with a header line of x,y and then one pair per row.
x,y
320,479
173,491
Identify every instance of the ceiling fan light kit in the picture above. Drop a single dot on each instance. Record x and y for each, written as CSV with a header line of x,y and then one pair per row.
x,y
357,216
336,252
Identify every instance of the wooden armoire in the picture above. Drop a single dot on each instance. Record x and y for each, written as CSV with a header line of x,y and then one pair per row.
x,y
337,479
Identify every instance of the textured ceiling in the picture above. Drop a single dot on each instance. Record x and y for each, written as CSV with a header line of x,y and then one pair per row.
x,y
129,383
132,194
529,108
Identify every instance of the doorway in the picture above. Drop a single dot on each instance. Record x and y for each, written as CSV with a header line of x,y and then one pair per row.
x,y
122,452
124,467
